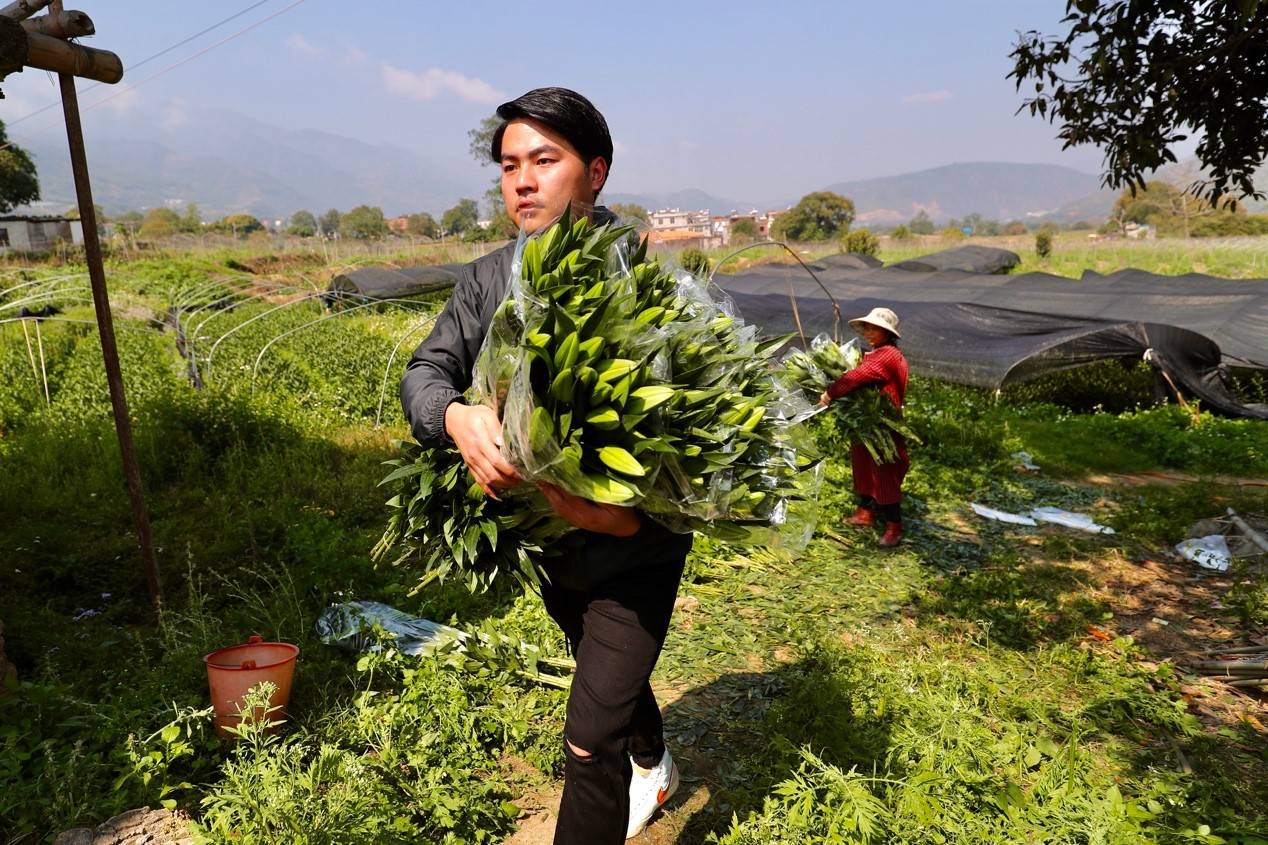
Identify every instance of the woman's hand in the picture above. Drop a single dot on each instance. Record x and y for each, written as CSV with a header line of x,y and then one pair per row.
x,y
592,516
824,399
477,432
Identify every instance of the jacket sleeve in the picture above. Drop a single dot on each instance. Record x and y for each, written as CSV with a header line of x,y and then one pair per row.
x,y
440,369
875,368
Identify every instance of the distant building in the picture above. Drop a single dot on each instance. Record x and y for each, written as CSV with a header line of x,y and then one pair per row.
x,y
673,219
399,225
1139,231
20,233
684,229
684,239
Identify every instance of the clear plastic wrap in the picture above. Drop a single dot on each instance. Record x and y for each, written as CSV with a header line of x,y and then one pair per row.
x,y
627,381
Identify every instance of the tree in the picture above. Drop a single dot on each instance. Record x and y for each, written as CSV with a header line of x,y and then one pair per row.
x,y
631,209
480,144
901,233
461,217
744,229
501,226
1016,228
1134,77
129,222
979,224
817,217
921,224
329,223
238,225
160,223
303,224
18,183
422,225
363,222
1168,208
191,221
480,139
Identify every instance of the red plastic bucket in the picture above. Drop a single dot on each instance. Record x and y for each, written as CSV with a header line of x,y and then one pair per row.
x,y
232,671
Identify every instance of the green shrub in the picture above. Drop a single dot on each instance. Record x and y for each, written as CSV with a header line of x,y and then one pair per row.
x,y
861,242
695,261
1043,243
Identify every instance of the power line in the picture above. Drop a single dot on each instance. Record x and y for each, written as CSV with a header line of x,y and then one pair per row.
x,y
201,52
162,52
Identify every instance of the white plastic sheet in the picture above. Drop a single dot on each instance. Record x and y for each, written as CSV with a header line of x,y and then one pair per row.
x,y
1069,519
1000,516
1209,552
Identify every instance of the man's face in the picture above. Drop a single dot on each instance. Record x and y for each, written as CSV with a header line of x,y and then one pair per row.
x,y
542,174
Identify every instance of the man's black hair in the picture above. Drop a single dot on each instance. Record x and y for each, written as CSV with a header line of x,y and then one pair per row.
x,y
564,111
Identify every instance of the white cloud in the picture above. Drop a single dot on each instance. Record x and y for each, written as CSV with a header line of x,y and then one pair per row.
x,y
120,103
301,48
927,97
431,83
176,114
353,55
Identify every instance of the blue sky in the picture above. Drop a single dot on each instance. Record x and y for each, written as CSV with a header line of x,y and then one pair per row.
x,y
742,100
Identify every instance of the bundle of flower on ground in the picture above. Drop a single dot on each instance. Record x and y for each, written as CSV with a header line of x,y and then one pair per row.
x,y
621,381
867,416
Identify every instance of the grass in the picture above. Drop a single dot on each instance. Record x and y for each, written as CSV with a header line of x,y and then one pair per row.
x,y
946,692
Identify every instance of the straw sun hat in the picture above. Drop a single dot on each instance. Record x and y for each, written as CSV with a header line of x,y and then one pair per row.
x,y
881,318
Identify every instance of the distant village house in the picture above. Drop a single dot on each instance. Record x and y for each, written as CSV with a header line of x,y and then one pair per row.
x,y
23,233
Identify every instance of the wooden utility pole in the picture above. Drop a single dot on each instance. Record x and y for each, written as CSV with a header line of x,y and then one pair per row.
x,y
39,44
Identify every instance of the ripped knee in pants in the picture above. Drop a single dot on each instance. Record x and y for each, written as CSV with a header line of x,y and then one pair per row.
x,y
580,754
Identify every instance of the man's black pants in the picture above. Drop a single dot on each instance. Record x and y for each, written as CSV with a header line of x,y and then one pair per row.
x,y
616,630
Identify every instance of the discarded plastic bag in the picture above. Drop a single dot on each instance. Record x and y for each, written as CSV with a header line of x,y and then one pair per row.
x,y
1209,552
1069,519
1045,513
351,626
1000,516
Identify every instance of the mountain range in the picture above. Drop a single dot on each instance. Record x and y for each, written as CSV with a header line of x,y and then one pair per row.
x,y
228,163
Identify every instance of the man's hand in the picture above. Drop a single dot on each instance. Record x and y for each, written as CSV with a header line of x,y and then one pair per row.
x,y
824,399
592,516
477,433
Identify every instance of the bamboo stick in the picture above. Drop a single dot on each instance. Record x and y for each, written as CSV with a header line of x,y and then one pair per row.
x,y
1249,684
48,53
1246,649
64,25
22,9
1222,665
39,339
1254,536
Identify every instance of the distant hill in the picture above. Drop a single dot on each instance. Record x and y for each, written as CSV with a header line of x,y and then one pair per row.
x,y
691,199
228,163
998,190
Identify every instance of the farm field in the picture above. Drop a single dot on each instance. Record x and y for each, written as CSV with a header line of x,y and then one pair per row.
x,y
982,683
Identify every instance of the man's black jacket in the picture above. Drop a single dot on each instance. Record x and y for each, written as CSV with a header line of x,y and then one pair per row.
x,y
438,373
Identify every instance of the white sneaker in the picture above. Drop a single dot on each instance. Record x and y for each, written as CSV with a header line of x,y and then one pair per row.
x,y
649,789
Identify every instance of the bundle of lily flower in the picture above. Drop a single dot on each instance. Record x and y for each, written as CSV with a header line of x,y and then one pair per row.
x,y
621,381
867,416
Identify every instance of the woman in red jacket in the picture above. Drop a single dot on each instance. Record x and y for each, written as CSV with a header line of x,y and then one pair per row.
x,y
879,486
